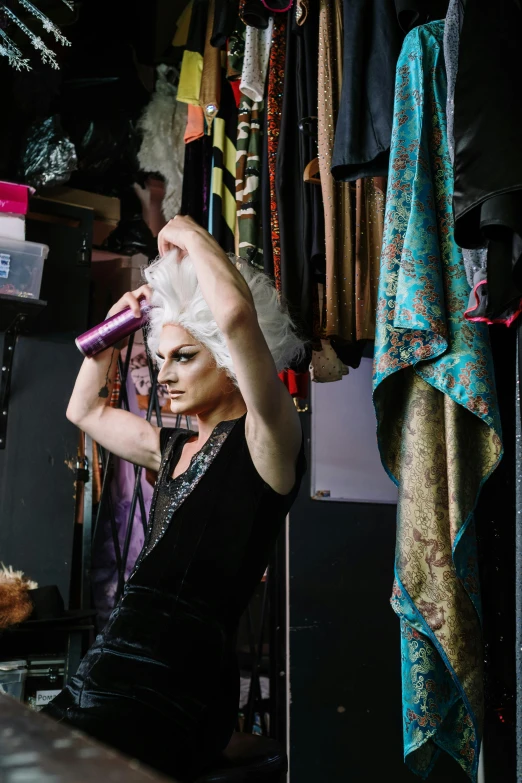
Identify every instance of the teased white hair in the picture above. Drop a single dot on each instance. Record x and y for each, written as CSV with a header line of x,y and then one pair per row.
x,y
177,299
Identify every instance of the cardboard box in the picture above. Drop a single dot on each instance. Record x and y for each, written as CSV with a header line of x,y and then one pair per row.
x,y
112,277
105,208
101,229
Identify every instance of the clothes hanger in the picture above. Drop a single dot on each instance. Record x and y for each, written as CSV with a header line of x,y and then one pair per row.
x,y
311,172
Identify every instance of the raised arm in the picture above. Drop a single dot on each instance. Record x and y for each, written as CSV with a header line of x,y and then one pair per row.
x,y
125,434
272,424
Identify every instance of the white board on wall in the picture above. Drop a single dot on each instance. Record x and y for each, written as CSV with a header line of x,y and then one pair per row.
x,y
346,465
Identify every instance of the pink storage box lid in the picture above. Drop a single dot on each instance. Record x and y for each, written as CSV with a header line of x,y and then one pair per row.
x,y
14,197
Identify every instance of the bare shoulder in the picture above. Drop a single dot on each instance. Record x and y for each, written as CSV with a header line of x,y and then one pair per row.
x,y
274,446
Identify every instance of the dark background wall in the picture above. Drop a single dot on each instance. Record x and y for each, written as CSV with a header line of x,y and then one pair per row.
x,y
345,713
38,465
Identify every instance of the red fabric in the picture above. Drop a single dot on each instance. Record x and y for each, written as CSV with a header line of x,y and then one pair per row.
x,y
195,124
507,320
235,89
296,383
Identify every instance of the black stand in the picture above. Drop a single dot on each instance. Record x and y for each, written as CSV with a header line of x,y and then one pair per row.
x,y
16,315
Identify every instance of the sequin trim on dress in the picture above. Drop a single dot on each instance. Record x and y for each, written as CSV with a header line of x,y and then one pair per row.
x,y
170,493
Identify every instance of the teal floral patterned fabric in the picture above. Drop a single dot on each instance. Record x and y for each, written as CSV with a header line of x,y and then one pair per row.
x,y
438,421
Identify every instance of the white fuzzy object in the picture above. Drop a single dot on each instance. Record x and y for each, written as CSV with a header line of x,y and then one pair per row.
x,y
162,150
7,574
177,299
15,603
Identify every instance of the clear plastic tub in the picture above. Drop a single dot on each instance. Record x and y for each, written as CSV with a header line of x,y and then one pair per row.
x,y
21,267
12,678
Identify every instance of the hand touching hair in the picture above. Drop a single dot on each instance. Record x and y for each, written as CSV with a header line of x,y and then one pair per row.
x,y
177,299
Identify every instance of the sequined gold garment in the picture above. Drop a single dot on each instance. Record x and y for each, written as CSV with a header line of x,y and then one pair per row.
x,y
340,317
354,214
438,421
369,226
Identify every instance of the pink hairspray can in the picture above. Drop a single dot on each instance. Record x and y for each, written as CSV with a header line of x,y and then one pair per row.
x,y
112,330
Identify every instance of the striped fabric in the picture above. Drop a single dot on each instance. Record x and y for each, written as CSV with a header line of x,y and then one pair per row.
x,y
248,172
224,133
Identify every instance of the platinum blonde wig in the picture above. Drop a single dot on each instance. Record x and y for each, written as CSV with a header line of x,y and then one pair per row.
x,y
177,299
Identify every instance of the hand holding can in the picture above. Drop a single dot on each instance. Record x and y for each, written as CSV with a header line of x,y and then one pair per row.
x,y
125,317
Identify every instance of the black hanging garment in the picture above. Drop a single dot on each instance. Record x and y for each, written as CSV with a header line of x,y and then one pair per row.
x,y
225,19
372,43
412,13
161,681
195,197
299,203
373,35
488,154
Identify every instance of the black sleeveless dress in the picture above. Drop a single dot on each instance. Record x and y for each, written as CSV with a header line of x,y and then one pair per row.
x,y
161,683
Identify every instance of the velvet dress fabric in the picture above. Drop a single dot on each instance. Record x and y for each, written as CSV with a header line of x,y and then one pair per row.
x,y
161,681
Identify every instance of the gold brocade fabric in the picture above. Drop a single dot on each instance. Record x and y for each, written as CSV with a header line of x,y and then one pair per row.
x,y
439,452
354,214
438,421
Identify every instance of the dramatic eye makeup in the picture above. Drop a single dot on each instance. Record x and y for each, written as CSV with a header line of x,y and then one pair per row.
x,y
181,355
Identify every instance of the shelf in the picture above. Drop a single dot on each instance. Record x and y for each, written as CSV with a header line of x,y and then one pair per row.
x,y
105,255
13,306
16,315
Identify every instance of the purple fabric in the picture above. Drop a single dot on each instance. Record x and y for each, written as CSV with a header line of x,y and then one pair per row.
x,y
104,569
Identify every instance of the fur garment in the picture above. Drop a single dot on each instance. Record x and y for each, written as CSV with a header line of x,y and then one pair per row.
x,y
162,150
15,604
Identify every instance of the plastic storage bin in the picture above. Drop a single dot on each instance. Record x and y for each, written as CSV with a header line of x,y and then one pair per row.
x,y
12,226
45,679
21,267
12,678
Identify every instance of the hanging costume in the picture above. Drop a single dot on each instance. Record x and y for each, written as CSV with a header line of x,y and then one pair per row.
x,y
488,154
438,423
248,180
162,148
299,203
274,109
372,42
336,196
224,134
